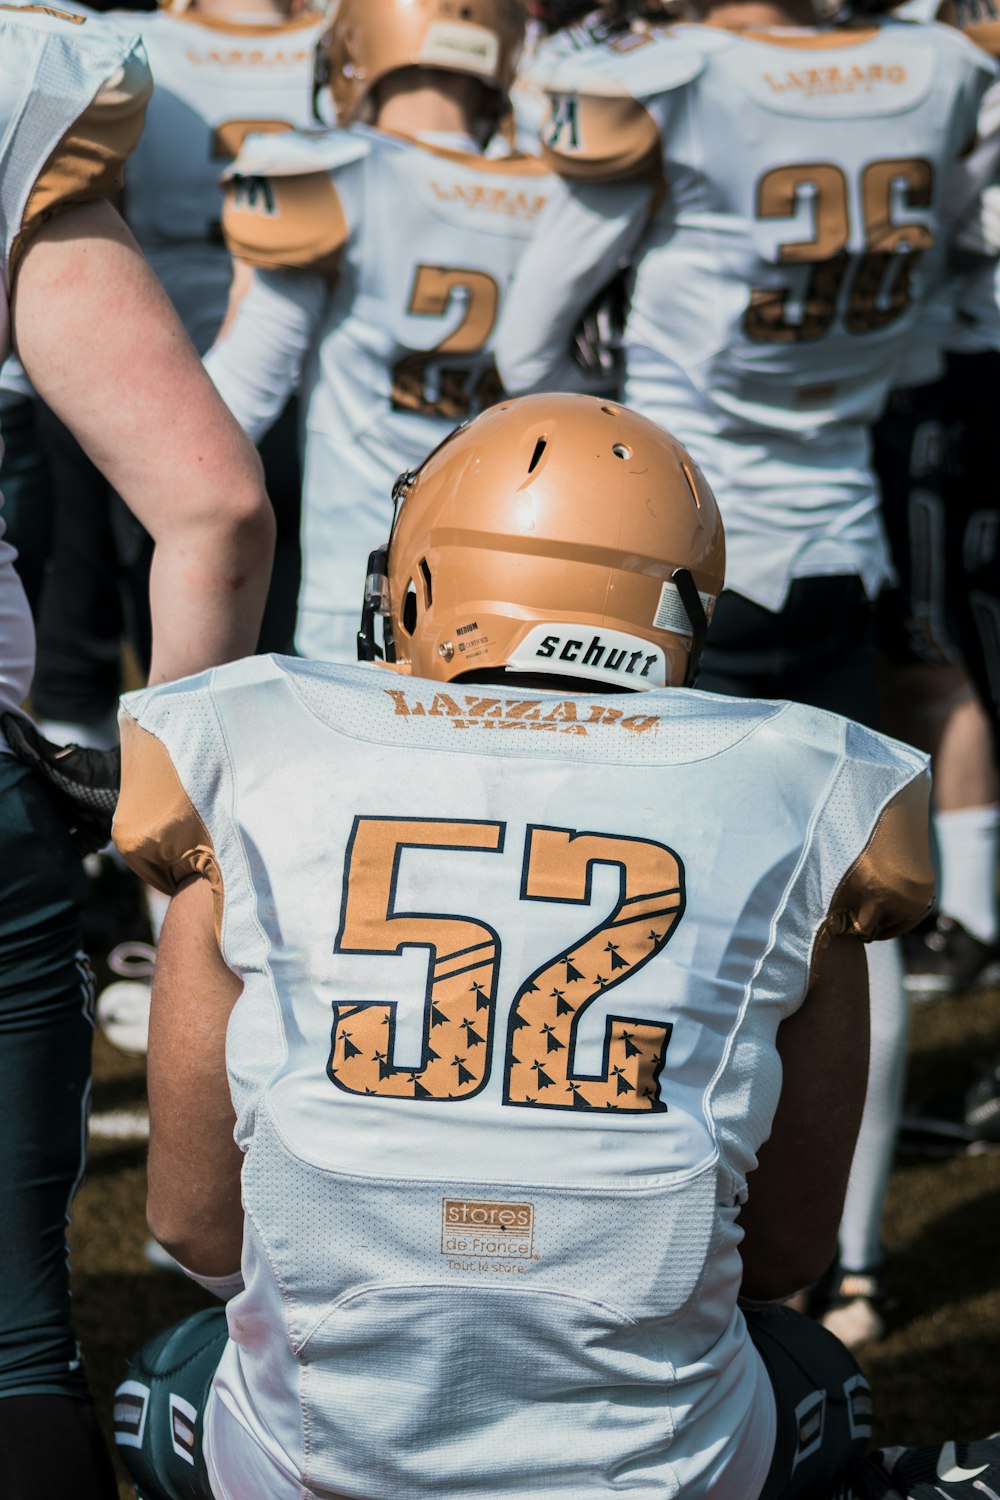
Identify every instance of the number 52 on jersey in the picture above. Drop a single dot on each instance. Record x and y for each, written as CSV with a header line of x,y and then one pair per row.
x,y
467,1029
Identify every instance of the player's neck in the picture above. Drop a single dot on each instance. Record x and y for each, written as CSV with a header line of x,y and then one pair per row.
x,y
427,110
235,11
758,15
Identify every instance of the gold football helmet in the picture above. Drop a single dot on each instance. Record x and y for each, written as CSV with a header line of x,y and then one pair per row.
x,y
369,39
555,534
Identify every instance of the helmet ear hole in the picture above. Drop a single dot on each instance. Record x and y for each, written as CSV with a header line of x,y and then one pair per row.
x,y
409,614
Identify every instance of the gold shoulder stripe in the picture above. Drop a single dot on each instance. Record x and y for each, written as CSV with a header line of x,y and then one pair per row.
x,y
48,10
890,886
517,164
158,830
818,41
985,34
604,137
87,163
285,223
245,28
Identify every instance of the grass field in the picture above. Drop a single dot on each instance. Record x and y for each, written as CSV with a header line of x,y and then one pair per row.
x,y
934,1375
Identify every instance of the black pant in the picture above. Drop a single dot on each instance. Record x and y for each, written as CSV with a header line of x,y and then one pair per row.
x,y
817,649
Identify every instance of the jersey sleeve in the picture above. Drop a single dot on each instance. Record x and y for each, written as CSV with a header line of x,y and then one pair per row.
x,y
285,223
890,885
157,829
87,163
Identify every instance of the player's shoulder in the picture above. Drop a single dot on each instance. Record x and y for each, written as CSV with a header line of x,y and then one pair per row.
x,y
954,42
639,64
603,120
86,84
298,153
282,209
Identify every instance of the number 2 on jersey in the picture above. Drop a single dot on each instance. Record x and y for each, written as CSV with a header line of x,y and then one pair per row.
x,y
880,290
464,953
434,287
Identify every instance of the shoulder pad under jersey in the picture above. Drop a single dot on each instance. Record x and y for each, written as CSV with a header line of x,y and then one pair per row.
x,y
282,210
290,152
889,887
157,829
600,126
86,165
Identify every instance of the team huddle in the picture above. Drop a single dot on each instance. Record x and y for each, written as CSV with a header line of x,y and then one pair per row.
x,y
533,783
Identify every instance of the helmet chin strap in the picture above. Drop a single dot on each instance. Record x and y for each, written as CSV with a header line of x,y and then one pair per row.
x,y
695,611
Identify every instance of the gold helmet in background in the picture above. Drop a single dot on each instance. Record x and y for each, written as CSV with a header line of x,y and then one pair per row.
x,y
555,534
369,39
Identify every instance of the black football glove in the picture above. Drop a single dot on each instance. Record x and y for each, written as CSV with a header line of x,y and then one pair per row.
x,y
83,784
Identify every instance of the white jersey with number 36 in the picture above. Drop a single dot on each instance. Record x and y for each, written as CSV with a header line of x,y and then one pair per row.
x,y
801,186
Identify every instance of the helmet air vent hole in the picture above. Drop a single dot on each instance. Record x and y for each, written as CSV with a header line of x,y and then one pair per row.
x,y
425,574
611,411
536,457
620,450
409,618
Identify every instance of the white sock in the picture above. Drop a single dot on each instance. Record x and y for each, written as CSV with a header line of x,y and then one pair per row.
x,y
861,1225
969,841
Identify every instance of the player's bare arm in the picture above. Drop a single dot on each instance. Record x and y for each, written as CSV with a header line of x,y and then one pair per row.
x,y
797,1192
149,417
193,1202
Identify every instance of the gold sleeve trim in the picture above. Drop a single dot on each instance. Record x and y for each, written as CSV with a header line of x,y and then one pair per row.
x,y
285,223
819,41
601,137
890,886
985,34
158,830
516,164
87,163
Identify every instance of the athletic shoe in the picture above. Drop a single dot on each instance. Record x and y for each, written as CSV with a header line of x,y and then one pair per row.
x,y
123,1007
957,1124
954,1471
855,1308
951,1471
943,958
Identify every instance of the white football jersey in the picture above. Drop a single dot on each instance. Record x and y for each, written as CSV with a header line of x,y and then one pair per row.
x,y
215,81
801,183
400,252
72,94
513,966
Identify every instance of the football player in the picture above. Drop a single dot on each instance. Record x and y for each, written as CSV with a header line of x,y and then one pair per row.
x,y
383,252
102,346
776,273
942,530
524,952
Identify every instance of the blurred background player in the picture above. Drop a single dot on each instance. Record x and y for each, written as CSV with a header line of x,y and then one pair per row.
x,y
220,69
936,625
773,286
597,1023
383,251
102,347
